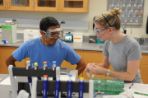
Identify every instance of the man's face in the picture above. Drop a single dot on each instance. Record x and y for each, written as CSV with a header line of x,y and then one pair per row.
x,y
51,35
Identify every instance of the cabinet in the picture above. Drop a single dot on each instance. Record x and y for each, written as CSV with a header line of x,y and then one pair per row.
x,y
25,5
45,5
20,5
74,5
88,56
2,4
144,67
5,52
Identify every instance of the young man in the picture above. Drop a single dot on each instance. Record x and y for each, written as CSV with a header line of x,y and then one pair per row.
x,y
47,48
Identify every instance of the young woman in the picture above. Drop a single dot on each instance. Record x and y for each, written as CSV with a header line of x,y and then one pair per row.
x,y
121,52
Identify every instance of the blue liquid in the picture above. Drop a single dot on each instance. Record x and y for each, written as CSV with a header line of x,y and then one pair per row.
x,y
45,88
57,89
81,87
69,89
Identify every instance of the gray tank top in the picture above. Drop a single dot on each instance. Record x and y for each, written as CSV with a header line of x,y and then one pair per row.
x,y
120,53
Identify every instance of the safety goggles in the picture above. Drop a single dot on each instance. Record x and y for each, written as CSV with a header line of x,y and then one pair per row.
x,y
53,33
99,31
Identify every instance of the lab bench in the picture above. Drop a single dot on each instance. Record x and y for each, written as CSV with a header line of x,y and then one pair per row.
x,y
90,52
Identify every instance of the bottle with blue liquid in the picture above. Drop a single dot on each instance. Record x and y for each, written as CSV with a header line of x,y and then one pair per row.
x,y
81,87
45,86
57,87
54,65
69,87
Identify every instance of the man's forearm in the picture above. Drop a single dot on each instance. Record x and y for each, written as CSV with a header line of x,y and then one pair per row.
x,y
80,69
81,66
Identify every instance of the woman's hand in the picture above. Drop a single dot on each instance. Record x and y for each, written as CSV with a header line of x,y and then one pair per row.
x,y
95,69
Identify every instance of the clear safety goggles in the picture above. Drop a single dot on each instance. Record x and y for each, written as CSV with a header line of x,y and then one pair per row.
x,y
99,31
53,33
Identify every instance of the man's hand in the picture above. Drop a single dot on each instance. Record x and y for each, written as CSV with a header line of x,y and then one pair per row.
x,y
10,61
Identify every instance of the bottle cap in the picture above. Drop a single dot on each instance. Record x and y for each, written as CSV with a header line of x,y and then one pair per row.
x,y
81,78
28,61
45,77
35,64
54,62
45,62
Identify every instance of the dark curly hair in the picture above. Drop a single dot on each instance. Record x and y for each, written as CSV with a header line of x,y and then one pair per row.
x,y
47,22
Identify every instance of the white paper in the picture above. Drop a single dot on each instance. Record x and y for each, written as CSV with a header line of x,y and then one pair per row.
x,y
6,81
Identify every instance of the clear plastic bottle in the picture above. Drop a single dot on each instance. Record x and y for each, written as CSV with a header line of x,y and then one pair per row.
x,y
27,64
35,65
69,87
58,72
45,65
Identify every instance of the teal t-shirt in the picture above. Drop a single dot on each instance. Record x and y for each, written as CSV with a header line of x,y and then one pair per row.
x,y
38,52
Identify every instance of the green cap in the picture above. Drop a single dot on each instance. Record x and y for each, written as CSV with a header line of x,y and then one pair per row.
x,y
35,64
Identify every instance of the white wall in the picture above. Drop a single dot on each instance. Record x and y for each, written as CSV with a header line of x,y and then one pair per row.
x,y
98,6
84,20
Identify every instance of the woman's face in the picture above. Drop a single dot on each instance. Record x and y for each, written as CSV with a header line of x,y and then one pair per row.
x,y
103,33
50,38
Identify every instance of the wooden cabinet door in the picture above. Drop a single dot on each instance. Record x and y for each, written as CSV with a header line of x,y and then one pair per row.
x,y
21,5
5,52
144,73
87,56
46,5
73,5
3,5
144,67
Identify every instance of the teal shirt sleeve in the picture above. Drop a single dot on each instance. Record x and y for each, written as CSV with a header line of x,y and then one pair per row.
x,y
21,52
72,56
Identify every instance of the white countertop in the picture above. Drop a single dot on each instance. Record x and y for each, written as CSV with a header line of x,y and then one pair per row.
x,y
5,86
80,46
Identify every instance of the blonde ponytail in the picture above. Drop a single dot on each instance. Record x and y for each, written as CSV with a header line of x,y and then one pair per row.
x,y
115,11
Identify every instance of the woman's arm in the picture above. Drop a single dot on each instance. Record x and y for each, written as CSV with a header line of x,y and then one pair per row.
x,y
132,69
105,63
129,75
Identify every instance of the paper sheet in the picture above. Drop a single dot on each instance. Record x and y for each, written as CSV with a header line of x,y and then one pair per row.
x,y
6,81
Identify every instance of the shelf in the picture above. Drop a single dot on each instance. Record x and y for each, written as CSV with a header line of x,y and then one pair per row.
x,y
72,6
